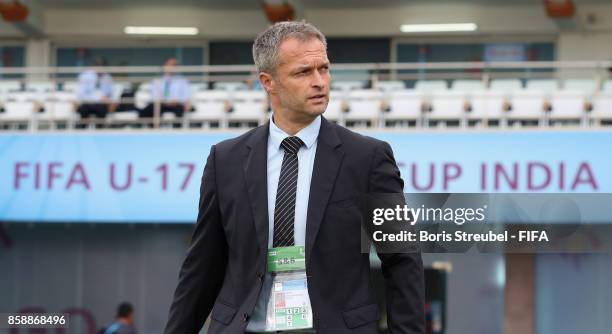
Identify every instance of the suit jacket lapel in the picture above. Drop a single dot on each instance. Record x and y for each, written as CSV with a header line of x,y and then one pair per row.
x,y
256,176
326,166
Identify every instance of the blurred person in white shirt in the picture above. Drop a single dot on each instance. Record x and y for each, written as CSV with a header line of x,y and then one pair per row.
x,y
95,92
172,90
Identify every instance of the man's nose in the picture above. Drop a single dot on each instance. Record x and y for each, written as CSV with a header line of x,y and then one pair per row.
x,y
318,80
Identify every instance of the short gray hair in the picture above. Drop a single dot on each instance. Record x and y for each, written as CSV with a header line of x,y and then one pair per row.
x,y
267,44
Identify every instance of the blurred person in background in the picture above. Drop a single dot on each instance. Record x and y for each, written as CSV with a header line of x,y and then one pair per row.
x,y
95,92
124,324
172,90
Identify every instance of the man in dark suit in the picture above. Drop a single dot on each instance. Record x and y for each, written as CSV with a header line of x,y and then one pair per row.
x,y
295,181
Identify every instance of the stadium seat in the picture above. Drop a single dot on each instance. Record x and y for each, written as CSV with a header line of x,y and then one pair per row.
x,y
248,106
364,105
527,105
506,85
197,86
467,85
487,105
210,106
348,85
118,88
7,86
145,86
335,107
546,86
231,85
587,86
429,86
40,86
572,102
70,86
19,107
142,98
602,107
405,105
59,107
447,106
391,85
498,99
607,86
168,116
123,116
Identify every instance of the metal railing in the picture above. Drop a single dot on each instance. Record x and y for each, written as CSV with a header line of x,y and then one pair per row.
x,y
369,73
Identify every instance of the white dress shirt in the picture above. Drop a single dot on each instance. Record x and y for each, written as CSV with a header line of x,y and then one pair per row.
x,y
171,88
306,157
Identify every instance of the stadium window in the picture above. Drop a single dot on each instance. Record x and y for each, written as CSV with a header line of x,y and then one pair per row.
x,y
357,50
230,53
122,56
469,52
11,56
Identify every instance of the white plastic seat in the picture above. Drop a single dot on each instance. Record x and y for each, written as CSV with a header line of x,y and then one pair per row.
x,y
70,86
391,85
494,101
196,87
467,94
118,88
146,86
364,105
405,105
40,87
334,111
19,107
168,116
248,106
506,85
485,105
7,86
59,106
467,85
602,106
123,116
587,86
210,105
430,86
447,106
348,85
546,86
567,105
607,86
142,98
231,85
527,105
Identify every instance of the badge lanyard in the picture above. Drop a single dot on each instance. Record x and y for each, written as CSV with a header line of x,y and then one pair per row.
x,y
289,305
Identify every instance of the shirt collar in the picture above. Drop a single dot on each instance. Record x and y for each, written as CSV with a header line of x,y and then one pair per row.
x,y
308,134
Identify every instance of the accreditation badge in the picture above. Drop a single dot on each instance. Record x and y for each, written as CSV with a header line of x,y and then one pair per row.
x,y
289,305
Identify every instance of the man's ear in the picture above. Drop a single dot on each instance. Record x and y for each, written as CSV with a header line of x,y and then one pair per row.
x,y
267,81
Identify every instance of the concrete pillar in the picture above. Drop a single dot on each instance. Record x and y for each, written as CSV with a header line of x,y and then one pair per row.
x,y
38,54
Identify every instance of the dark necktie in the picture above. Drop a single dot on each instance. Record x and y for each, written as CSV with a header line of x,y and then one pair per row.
x,y
284,210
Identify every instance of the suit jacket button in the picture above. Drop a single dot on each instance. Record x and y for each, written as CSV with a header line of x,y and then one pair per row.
x,y
246,317
259,275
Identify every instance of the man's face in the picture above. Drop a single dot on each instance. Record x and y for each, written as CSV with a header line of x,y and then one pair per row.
x,y
130,319
301,82
169,66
